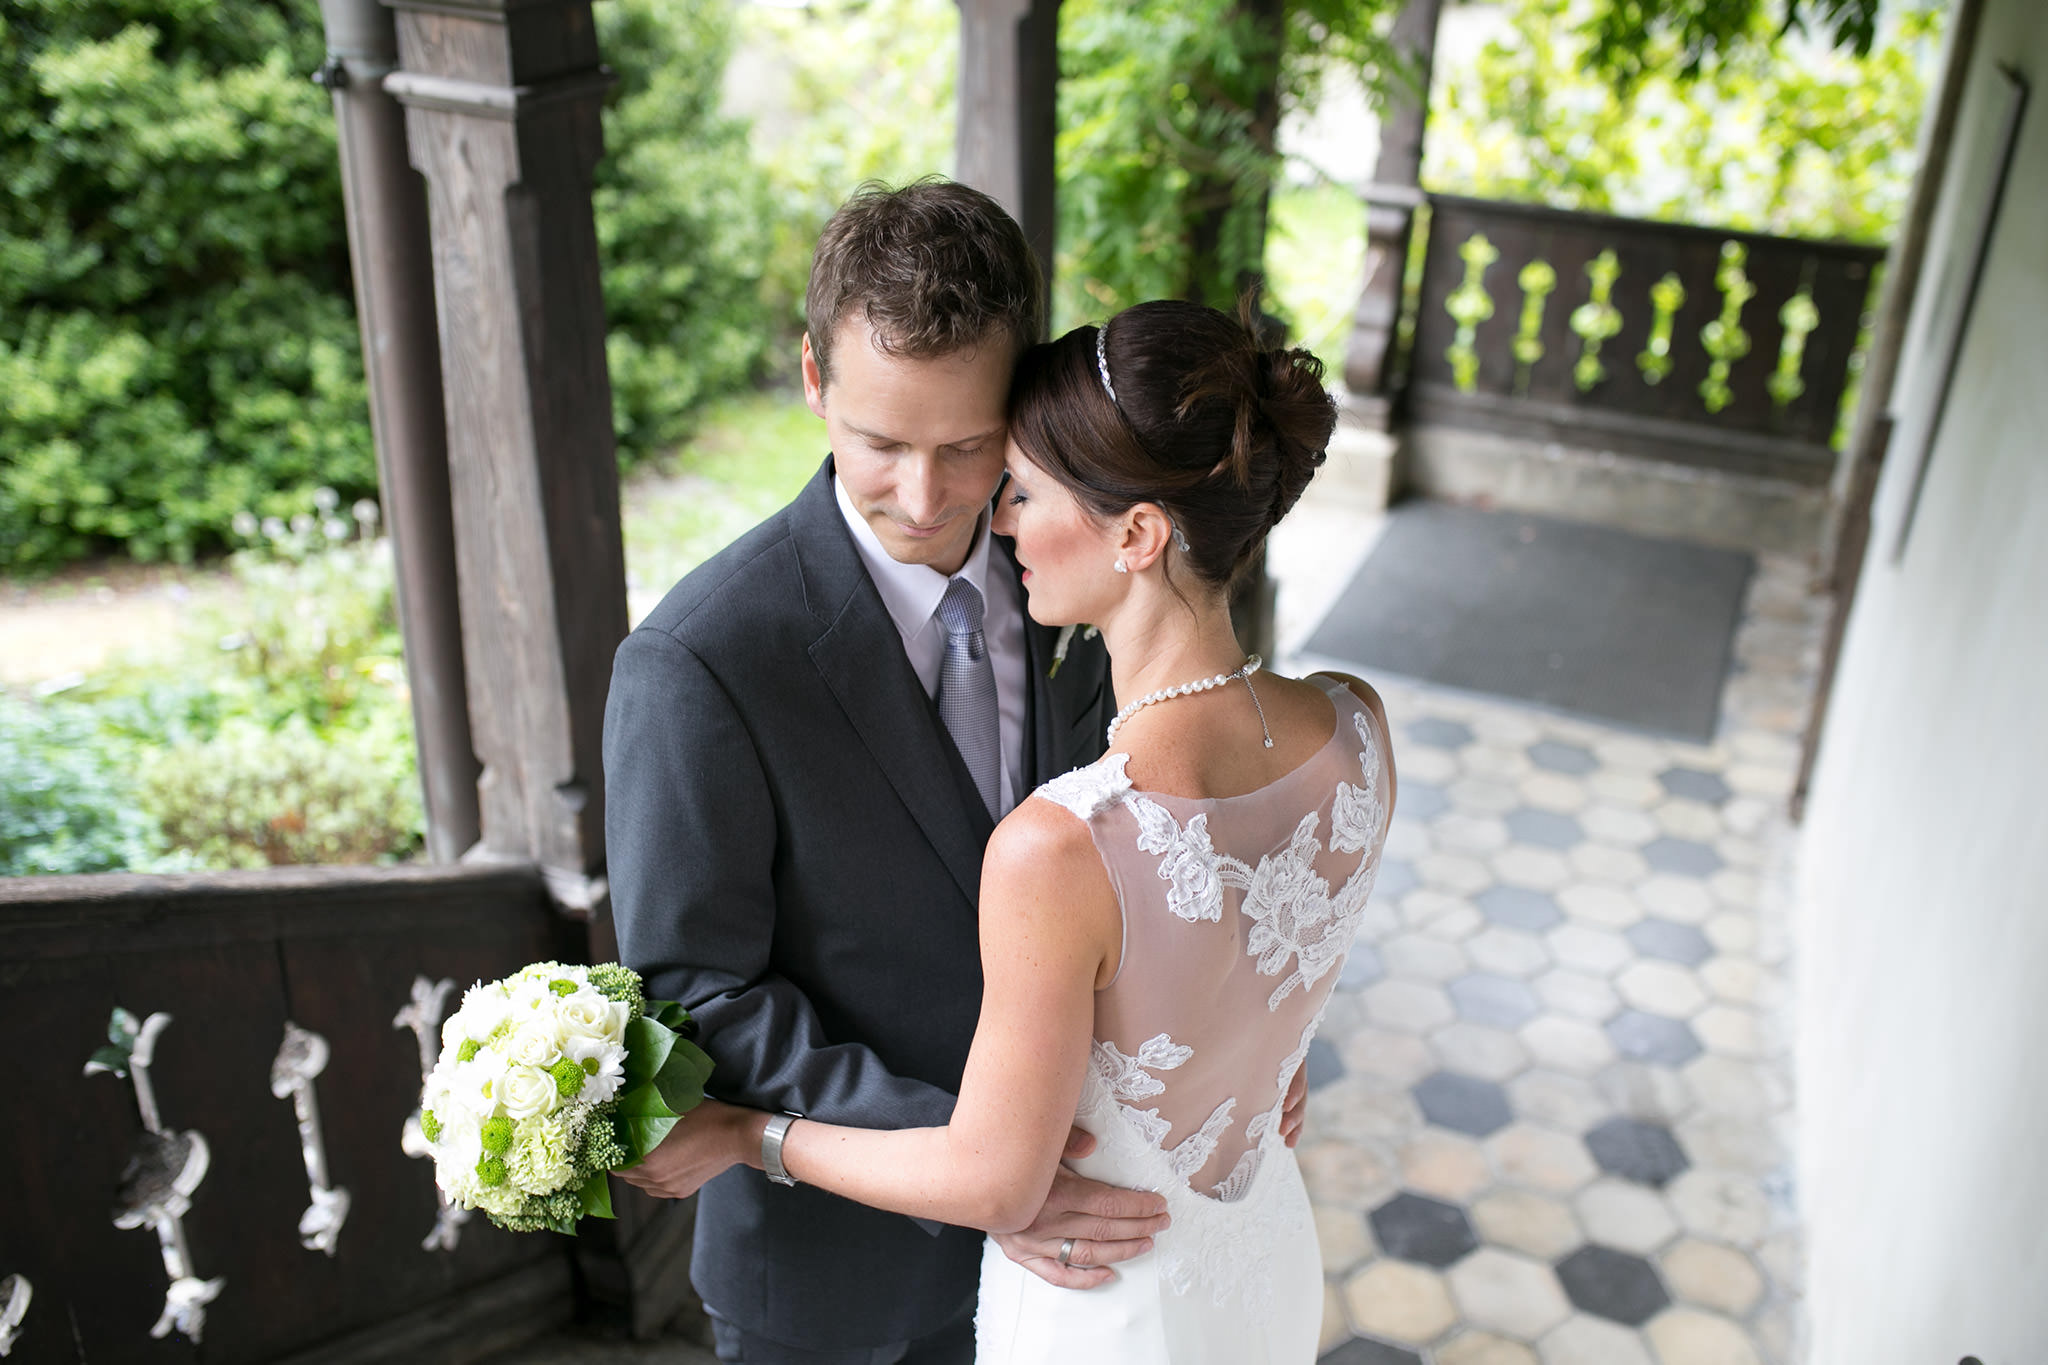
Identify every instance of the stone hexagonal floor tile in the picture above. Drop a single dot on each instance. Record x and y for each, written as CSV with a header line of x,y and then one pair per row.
x,y
1606,863
1539,869
1601,905
1688,820
1730,1030
1554,791
1399,1301
1506,1292
1362,967
1467,832
1570,1104
1588,948
1683,857
1711,1276
1439,733
1458,873
1687,1336
1449,1166
1518,907
1414,1227
1401,1058
1507,952
1670,940
1583,1339
1322,1064
1624,1215
1685,899
1483,1348
1410,1006
1538,1225
1365,1351
1396,877
1661,988
1643,1090
1574,760
1613,1284
1422,956
1464,1104
1489,1053
1638,1150
1343,1174
1497,1001
1572,1046
1721,1206
1336,1325
1695,785
1341,1233
1543,828
1577,994
1622,826
1645,1037
1483,795
1543,1158
1419,801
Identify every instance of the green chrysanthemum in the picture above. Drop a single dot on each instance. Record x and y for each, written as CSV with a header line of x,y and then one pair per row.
x,y
562,987
490,1172
467,1052
496,1134
430,1125
568,1074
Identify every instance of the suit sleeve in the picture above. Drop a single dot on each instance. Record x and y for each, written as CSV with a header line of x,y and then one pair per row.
x,y
690,834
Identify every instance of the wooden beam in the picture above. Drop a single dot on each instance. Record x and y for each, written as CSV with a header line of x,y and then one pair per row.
x,y
1390,219
1007,111
502,111
386,207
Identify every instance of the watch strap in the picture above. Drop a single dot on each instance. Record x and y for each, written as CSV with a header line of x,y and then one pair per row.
x,y
771,1148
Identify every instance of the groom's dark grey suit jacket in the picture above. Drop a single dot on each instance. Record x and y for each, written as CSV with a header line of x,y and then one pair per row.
x,y
794,848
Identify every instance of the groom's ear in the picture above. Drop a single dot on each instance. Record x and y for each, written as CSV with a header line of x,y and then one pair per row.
x,y
814,380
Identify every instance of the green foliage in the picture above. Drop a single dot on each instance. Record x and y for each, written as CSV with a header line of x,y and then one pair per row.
x,y
1168,111
176,340
63,807
681,216
1633,37
177,334
1783,137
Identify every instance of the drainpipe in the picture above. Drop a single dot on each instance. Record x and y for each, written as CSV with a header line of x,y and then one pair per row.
x,y
389,248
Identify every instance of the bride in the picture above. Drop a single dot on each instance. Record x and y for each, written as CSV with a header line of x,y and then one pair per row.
x,y
1160,930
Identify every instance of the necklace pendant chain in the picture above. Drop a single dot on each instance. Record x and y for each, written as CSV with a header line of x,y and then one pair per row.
x,y
1188,689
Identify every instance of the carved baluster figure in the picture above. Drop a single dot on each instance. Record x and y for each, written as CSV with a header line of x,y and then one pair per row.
x,y
15,1293
300,1058
423,1016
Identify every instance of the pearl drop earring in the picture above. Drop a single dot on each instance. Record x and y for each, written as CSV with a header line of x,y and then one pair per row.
x,y
1120,568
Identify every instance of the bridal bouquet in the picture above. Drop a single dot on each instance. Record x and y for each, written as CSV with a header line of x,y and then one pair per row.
x,y
548,1081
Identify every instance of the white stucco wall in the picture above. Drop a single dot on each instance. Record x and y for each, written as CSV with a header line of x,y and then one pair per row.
x,y
1923,906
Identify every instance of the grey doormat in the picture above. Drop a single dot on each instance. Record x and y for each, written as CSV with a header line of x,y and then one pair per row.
x,y
1584,619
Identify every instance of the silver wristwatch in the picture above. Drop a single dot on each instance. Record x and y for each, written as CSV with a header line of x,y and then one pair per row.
x,y
771,1148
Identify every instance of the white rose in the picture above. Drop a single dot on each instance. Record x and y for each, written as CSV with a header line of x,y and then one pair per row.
x,y
534,1044
526,1093
588,1015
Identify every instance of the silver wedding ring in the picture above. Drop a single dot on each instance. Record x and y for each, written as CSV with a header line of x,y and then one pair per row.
x,y
1067,1253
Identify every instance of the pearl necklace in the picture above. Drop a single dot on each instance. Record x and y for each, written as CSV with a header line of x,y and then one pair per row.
x,y
1188,689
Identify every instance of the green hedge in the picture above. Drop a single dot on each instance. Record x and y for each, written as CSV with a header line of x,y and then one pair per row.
x,y
177,334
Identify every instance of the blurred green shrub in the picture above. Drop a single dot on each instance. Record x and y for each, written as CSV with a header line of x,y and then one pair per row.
x,y
177,334
1785,135
65,804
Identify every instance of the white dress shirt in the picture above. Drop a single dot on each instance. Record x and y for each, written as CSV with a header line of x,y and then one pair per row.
x,y
911,593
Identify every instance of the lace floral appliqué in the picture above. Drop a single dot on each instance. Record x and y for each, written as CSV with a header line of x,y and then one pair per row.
x,y
1087,792
1194,873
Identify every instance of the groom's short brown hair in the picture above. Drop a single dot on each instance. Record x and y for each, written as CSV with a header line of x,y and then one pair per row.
x,y
933,267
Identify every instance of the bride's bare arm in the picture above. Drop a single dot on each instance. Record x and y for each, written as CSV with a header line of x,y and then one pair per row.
x,y
1050,933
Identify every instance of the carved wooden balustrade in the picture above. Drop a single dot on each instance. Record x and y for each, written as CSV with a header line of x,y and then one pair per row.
x,y
1729,350
227,1164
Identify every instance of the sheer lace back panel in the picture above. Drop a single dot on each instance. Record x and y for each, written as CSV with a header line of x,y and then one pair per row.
x,y
1238,913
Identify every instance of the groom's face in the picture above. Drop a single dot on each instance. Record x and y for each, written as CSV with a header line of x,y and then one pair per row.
x,y
918,444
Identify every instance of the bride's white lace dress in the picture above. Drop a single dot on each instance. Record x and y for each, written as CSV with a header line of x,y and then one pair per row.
x,y
1238,912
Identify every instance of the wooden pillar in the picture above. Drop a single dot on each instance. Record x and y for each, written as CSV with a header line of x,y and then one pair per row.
x,y
1391,201
502,114
386,208
1007,111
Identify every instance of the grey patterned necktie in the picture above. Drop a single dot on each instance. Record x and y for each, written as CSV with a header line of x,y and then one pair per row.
x,y
967,689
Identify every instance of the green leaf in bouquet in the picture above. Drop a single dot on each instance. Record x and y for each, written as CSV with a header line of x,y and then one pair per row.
x,y
669,1014
681,1078
596,1195
642,1120
647,1048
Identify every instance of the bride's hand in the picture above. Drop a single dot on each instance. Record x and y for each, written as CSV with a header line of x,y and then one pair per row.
x,y
708,1141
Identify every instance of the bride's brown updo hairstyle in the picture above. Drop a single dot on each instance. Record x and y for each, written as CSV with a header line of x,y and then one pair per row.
x,y
1194,416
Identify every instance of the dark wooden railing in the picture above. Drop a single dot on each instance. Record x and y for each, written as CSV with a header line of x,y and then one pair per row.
x,y
231,958
1724,349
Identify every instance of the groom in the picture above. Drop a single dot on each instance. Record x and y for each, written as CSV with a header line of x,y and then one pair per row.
x,y
806,747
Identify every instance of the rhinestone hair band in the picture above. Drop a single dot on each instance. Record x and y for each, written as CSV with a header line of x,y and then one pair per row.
x,y
1102,360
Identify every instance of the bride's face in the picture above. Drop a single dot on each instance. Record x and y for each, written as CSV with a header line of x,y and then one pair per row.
x,y
1067,555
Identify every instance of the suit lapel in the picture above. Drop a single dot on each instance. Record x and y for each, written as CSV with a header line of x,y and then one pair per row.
x,y
859,655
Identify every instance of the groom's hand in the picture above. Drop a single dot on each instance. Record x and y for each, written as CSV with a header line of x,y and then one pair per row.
x,y
710,1140
1297,1101
1107,1225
